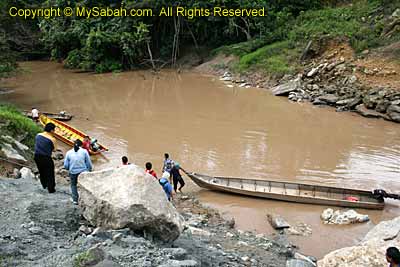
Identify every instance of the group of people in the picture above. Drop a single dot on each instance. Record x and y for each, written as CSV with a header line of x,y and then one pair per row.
x,y
77,160
170,175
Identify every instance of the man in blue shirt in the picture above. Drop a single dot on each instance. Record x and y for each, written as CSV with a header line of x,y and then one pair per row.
x,y
77,161
168,164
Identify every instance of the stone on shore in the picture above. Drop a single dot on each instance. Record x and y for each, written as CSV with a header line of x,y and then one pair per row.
x,y
12,154
299,263
286,88
369,113
277,222
330,99
393,112
371,251
127,197
343,217
26,173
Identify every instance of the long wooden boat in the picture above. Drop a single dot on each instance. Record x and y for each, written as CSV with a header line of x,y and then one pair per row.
x,y
68,134
58,116
290,191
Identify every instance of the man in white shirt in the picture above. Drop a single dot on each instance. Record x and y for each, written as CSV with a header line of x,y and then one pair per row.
x,y
35,114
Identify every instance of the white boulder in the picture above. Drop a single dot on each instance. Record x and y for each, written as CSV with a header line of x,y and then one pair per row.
x,y
343,217
327,214
128,197
26,173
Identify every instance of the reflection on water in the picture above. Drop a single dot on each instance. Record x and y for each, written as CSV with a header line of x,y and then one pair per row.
x,y
217,130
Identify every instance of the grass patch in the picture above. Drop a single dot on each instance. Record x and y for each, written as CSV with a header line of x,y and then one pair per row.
x,y
82,259
240,49
357,22
14,123
276,59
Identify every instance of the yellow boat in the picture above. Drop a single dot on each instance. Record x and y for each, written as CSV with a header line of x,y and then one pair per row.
x,y
68,134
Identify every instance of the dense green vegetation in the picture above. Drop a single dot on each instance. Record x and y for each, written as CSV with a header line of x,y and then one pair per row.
x,y
362,23
19,38
14,123
271,43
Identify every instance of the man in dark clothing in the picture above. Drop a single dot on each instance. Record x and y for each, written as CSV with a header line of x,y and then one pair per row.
x,y
177,177
45,144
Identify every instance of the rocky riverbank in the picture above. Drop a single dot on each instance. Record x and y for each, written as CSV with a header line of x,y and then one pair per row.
x,y
366,84
41,229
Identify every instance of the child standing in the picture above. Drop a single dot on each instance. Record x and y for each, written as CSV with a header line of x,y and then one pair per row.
x,y
149,170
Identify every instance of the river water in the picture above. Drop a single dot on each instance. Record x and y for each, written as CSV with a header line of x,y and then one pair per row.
x,y
210,128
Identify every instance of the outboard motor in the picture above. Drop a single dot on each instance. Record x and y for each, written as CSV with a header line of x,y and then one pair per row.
x,y
381,194
95,146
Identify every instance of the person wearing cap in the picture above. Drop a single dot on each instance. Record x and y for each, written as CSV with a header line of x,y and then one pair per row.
x,y
177,177
167,187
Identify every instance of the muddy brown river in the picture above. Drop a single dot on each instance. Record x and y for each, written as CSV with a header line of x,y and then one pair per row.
x,y
210,128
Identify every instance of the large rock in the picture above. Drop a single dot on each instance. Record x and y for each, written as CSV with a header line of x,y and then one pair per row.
x,y
128,197
370,252
286,88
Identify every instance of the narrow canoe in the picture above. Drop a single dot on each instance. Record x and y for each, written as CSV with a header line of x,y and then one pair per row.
x,y
57,116
290,191
68,134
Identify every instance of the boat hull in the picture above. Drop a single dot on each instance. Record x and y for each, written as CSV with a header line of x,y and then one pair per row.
x,y
298,197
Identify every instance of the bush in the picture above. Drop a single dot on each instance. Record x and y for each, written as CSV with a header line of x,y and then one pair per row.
x,y
108,65
73,59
